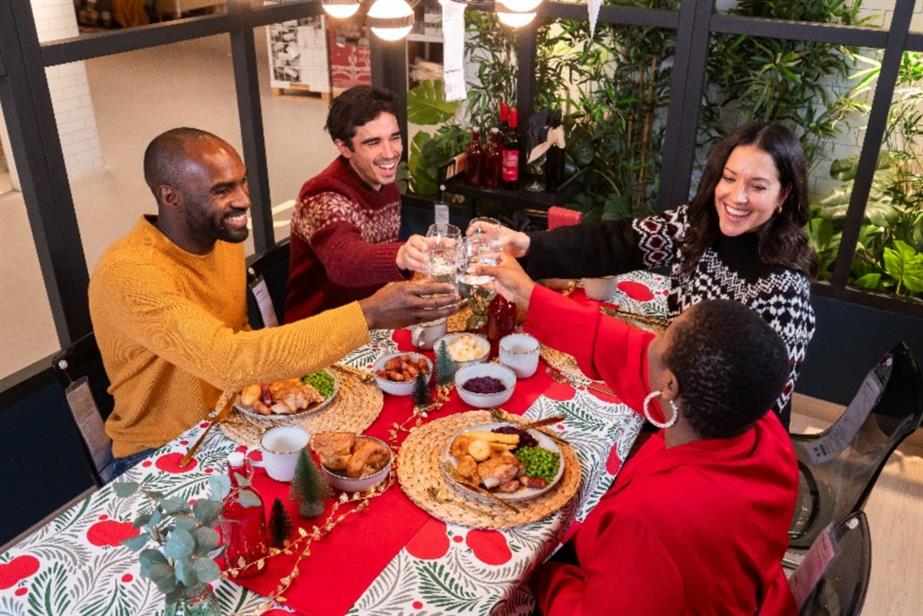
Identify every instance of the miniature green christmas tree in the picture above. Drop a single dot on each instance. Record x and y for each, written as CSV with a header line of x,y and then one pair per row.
x,y
279,524
445,365
309,487
421,395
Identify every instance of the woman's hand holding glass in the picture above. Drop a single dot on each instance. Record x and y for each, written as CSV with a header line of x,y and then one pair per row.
x,y
514,243
509,280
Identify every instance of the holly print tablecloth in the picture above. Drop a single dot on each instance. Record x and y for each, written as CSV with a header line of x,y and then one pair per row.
x,y
76,565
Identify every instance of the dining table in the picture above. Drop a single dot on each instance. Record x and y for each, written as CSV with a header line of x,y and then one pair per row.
x,y
393,557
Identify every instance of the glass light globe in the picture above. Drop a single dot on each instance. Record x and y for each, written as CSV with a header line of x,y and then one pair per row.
x,y
391,9
520,6
341,11
515,20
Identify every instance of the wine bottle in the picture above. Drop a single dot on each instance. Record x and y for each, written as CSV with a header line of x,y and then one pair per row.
x,y
493,161
475,156
504,121
510,175
554,160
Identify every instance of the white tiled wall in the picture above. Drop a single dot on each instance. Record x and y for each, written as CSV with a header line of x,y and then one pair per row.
x,y
70,92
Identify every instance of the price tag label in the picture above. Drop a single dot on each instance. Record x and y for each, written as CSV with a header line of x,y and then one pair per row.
x,y
264,302
822,552
441,214
846,428
89,421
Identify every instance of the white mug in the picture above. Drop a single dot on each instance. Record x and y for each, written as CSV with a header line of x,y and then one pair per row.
x,y
520,352
280,447
425,335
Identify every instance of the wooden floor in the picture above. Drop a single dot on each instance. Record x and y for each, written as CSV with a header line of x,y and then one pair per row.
x,y
895,514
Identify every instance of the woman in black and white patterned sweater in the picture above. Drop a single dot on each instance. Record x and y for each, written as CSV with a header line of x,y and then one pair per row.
x,y
741,237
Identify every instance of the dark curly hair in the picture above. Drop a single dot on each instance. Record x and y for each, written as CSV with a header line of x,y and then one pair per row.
x,y
355,107
782,239
731,366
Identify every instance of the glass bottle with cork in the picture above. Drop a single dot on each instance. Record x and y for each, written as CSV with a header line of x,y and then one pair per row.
x,y
510,174
475,159
493,161
554,159
501,321
243,521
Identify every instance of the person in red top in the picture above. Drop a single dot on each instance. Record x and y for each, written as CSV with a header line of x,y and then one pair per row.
x,y
344,237
696,522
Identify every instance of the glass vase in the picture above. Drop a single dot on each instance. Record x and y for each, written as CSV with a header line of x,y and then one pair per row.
x,y
201,603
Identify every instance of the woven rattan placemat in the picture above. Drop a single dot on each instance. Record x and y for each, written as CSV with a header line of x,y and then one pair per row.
x,y
418,471
356,407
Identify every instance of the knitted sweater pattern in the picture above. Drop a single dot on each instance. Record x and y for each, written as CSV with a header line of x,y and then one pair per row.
x,y
732,270
344,241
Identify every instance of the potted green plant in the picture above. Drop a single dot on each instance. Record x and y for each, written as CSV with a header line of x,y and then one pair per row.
x,y
185,541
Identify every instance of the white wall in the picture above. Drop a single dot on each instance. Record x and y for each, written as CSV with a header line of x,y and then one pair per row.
x,y
70,93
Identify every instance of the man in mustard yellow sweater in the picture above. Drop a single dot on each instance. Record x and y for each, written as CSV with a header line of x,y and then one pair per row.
x,y
168,302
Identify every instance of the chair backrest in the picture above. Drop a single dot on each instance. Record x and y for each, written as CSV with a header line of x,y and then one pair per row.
x,y
267,280
838,467
80,371
45,461
834,577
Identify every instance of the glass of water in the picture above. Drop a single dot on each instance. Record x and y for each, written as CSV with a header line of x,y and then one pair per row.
x,y
481,247
443,242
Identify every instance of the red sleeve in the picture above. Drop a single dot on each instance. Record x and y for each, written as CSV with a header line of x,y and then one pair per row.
x,y
327,222
628,572
350,261
604,347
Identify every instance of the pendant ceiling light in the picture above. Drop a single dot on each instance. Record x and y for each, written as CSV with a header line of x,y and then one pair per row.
x,y
390,20
520,6
515,19
341,9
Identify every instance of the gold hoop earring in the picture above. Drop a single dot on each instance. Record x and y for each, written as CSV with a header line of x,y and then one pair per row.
x,y
647,415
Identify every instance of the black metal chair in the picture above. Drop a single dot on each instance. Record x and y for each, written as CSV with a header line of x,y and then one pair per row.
x,y
842,585
267,280
79,369
838,468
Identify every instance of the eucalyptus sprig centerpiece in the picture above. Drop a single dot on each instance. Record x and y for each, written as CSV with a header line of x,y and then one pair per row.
x,y
185,541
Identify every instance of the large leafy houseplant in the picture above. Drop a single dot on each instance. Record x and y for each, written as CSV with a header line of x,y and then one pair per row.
x,y
782,80
613,90
889,253
426,106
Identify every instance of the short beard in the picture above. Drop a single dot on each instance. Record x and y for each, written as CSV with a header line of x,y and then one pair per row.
x,y
235,236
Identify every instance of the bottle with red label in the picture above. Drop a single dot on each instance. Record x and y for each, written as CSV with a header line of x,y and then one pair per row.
x,y
475,159
493,160
510,174
243,522
504,121
501,321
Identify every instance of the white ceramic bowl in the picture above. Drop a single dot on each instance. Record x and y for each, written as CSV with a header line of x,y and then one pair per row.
x,y
359,484
482,344
398,388
485,401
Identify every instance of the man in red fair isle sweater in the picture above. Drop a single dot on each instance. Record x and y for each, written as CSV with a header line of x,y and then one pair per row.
x,y
344,239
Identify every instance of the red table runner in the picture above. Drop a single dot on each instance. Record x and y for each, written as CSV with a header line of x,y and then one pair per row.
x,y
345,562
